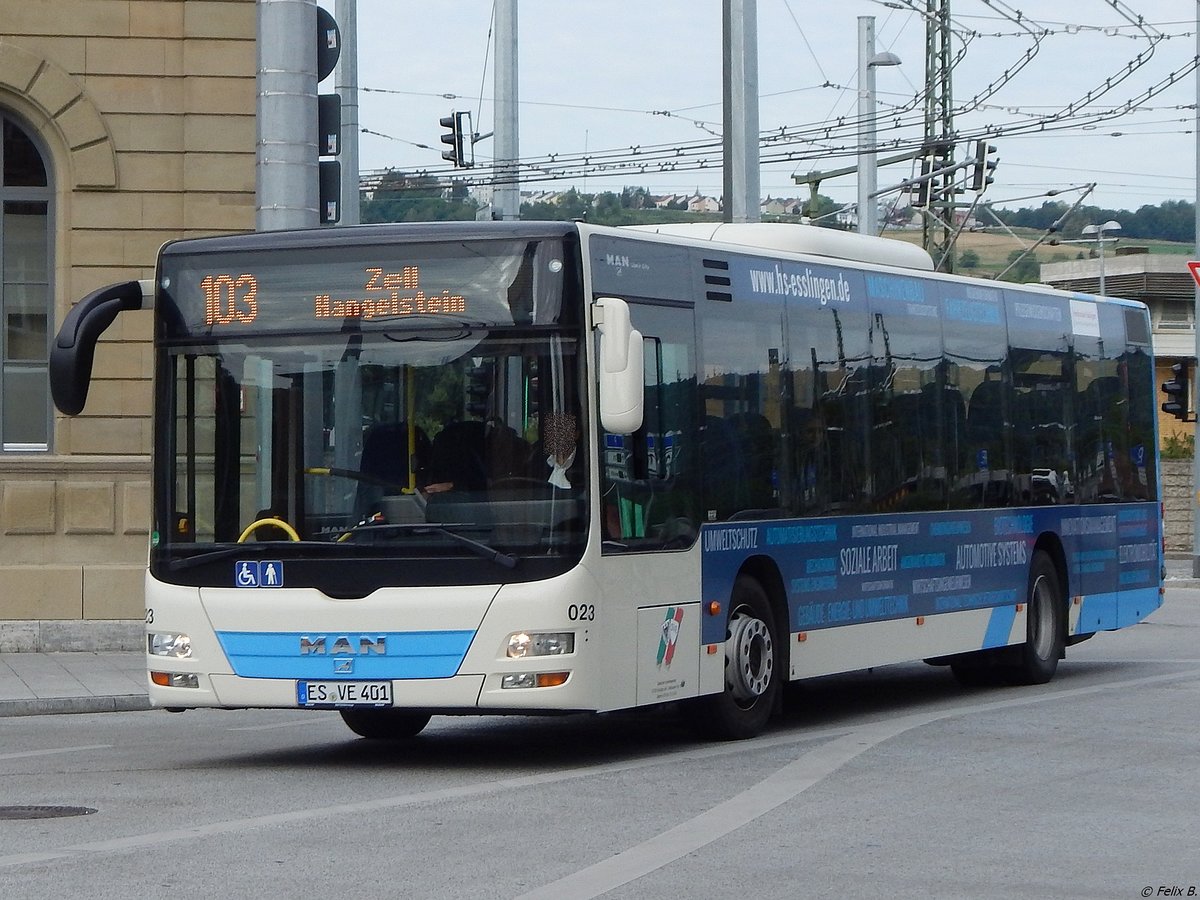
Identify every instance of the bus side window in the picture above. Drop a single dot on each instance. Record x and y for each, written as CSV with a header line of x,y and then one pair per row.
x,y
828,406
744,473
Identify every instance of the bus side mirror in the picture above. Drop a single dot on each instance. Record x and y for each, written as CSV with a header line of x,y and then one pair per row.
x,y
619,368
74,348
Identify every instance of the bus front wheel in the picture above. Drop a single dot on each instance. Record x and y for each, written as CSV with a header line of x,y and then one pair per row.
x,y
752,669
385,724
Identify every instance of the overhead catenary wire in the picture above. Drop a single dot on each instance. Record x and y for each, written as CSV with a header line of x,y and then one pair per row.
x,y
793,145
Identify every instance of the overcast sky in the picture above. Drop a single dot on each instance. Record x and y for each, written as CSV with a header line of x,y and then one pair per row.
x,y
599,76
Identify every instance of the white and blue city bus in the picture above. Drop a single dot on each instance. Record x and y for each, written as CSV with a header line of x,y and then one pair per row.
x,y
525,467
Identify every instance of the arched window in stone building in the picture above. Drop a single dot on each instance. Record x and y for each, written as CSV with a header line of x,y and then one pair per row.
x,y
26,298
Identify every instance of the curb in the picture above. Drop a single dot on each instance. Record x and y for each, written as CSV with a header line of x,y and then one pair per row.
x,y
49,706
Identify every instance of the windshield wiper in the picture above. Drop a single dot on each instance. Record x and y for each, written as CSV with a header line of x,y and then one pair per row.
x,y
245,549
258,548
443,528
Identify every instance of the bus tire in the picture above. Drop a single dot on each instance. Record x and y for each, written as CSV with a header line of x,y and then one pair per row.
x,y
752,669
385,724
1037,659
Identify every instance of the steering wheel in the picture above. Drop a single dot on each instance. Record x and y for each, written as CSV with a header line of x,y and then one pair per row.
x,y
270,520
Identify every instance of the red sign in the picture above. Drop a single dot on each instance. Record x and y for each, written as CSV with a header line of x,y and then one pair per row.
x,y
1194,267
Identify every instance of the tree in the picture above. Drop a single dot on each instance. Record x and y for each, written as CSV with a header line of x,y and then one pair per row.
x,y
822,210
418,198
968,259
1024,272
1171,220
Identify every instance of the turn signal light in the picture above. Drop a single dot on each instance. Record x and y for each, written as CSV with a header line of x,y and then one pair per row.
x,y
175,679
532,680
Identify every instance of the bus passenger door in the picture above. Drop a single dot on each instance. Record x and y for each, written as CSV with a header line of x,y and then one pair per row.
x,y
648,478
649,515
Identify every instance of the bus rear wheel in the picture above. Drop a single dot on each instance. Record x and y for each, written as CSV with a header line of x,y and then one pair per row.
x,y
752,669
385,724
1045,629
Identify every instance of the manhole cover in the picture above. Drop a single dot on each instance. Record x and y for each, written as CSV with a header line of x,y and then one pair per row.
x,y
43,812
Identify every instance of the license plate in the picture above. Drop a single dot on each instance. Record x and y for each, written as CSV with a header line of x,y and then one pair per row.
x,y
344,693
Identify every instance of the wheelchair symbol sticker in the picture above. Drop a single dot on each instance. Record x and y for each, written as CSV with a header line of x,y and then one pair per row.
x,y
249,573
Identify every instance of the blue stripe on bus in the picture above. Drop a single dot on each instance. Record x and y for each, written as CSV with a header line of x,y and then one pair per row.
x,y
410,654
1098,612
999,627
1107,612
1137,604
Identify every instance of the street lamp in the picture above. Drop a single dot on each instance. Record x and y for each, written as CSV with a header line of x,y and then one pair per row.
x,y
1098,231
868,60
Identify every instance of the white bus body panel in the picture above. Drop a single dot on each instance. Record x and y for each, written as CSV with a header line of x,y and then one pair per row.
x,y
616,663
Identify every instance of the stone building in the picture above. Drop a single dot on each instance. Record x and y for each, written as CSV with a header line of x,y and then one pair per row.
x,y
126,123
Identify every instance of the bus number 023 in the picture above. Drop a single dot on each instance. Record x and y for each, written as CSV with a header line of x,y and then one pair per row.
x,y
581,612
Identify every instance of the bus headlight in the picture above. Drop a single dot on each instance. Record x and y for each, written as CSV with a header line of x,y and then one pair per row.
x,y
555,643
178,646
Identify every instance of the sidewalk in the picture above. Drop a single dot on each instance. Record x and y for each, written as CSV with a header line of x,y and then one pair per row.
x,y
87,681
72,682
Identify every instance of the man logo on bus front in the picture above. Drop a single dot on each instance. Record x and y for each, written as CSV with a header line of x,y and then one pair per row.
x,y
669,634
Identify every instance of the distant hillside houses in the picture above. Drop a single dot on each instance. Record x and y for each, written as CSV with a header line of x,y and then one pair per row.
x,y
693,202
847,217
696,203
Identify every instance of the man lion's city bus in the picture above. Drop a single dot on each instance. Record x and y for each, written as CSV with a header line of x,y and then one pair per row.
x,y
533,467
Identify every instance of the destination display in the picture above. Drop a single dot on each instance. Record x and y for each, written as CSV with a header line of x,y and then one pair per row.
x,y
322,289
233,299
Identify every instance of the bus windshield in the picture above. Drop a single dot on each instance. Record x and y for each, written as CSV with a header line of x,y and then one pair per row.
x,y
382,440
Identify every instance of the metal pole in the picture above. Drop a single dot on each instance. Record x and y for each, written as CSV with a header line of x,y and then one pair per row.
x,y
1196,334
345,82
1100,241
867,209
742,201
507,194
286,164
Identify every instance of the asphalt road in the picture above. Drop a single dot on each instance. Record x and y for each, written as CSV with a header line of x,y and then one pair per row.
x,y
891,783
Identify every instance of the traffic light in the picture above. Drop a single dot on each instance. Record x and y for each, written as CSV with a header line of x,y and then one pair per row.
x,y
329,122
460,139
329,43
981,174
1177,391
329,175
478,388
921,189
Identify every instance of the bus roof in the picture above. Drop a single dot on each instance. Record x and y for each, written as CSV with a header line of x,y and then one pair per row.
x,y
797,238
